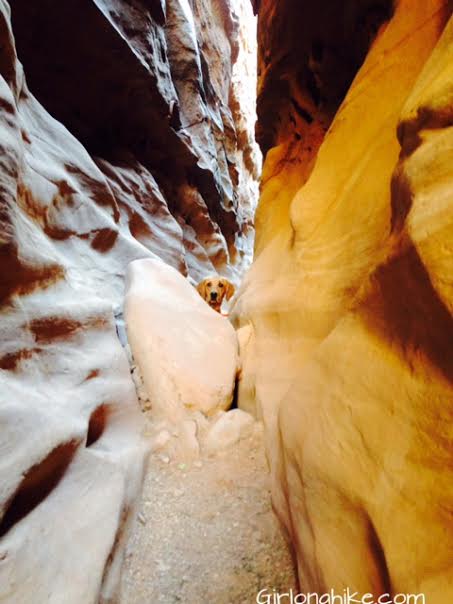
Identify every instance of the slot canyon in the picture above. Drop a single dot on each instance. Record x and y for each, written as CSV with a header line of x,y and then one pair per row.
x,y
300,441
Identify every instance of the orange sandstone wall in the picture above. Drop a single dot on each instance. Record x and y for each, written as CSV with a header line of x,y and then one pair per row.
x,y
347,332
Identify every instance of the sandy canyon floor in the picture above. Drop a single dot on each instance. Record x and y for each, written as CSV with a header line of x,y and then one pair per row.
x,y
206,533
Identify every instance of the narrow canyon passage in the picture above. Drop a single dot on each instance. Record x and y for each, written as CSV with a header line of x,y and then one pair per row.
x,y
298,153
206,532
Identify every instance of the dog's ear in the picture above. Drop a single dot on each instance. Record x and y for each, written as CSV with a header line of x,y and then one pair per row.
x,y
201,289
229,289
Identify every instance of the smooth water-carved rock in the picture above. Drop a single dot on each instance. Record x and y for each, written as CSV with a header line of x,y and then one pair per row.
x,y
349,306
96,170
72,457
150,101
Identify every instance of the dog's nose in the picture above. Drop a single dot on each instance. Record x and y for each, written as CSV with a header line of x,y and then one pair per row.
x,y
213,295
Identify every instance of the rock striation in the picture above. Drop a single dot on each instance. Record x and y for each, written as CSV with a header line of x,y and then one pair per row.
x,y
122,137
153,103
346,313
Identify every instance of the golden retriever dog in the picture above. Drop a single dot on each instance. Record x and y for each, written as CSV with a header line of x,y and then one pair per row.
x,y
214,289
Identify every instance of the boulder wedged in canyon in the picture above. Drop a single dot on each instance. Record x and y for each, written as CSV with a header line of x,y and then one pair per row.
x,y
347,307
98,168
185,363
185,350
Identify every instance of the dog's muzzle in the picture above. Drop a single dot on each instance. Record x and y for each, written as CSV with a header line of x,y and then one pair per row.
x,y
213,296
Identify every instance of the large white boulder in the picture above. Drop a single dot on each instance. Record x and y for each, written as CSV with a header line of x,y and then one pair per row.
x,y
187,353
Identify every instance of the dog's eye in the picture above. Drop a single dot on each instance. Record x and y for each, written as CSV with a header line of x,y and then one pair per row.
x,y
220,284
209,284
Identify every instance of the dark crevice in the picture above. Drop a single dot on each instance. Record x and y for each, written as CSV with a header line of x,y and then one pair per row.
x,y
312,88
97,424
379,556
315,50
235,399
304,114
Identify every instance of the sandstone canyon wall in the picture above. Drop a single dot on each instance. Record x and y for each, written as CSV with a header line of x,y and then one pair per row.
x,y
126,132
346,312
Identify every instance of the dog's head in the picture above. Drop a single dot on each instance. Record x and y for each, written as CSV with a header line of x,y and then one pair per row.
x,y
214,289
